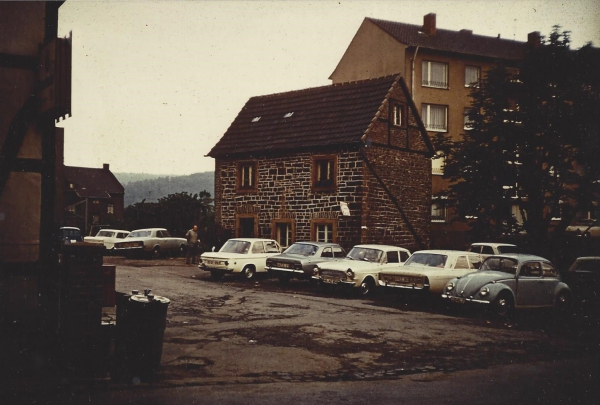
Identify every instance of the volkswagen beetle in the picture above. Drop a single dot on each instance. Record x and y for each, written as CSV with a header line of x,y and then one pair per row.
x,y
506,282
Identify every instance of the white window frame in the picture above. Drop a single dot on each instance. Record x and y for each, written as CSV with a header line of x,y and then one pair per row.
x,y
467,124
469,70
437,165
436,206
426,114
430,68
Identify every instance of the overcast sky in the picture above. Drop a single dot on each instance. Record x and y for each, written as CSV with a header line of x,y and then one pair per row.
x,y
157,83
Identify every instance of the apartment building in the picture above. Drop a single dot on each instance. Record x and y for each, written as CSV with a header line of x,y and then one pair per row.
x,y
439,67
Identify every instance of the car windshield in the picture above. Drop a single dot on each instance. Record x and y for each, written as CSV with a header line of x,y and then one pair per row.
x,y
427,259
140,234
106,234
235,246
366,254
502,264
508,249
301,249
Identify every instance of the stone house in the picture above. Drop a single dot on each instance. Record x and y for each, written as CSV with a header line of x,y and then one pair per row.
x,y
348,163
439,66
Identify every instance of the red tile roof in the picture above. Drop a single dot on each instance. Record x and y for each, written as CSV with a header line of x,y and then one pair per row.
x,y
464,41
92,183
322,116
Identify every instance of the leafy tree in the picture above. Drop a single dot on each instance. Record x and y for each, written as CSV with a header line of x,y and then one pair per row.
x,y
177,212
533,143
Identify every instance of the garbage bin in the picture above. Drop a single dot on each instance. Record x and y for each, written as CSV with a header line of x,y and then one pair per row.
x,y
141,322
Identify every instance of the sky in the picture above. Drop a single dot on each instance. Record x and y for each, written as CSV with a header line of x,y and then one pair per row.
x,y
155,84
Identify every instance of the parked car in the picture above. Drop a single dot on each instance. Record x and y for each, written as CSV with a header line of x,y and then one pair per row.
x,y
299,260
430,270
244,256
152,241
583,277
70,234
489,248
107,237
361,267
506,282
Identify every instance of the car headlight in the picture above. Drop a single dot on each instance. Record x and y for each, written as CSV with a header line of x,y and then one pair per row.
x,y
350,274
484,291
316,271
450,287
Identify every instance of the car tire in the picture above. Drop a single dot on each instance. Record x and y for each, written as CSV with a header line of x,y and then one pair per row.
x,y
181,251
217,275
155,253
248,273
503,305
367,287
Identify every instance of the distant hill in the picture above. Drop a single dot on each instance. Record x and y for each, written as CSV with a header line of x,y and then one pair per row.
x,y
152,187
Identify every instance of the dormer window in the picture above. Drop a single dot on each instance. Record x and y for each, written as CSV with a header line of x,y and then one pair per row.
x,y
255,119
288,115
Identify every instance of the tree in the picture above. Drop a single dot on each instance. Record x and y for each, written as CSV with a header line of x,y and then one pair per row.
x,y
177,212
532,146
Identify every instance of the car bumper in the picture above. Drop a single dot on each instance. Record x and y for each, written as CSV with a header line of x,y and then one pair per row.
x,y
464,300
424,287
281,270
334,281
219,269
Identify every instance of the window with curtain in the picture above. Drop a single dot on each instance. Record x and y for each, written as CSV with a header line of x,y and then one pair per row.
x,y
472,76
435,74
435,117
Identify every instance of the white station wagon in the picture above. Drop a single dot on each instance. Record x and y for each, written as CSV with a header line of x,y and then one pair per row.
x,y
245,256
361,267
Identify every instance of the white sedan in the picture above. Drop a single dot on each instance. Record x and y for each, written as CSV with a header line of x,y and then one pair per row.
x,y
361,267
151,241
107,237
245,256
430,270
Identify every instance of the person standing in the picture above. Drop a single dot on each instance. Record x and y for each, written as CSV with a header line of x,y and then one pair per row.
x,y
192,245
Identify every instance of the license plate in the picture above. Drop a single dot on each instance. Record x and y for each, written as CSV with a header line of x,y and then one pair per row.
x,y
329,280
283,265
457,300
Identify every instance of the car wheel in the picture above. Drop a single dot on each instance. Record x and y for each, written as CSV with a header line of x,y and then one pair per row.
x,y
217,275
156,253
248,272
284,279
366,287
181,250
504,305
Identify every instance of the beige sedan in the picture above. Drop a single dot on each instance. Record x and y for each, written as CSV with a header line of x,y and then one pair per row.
x,y
430,270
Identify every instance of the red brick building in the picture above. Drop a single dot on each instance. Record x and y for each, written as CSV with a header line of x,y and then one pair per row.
x,y
92,198
348,163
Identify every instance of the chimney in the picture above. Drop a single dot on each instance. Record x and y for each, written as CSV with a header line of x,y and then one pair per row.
x,y
429,24
105,166
534,39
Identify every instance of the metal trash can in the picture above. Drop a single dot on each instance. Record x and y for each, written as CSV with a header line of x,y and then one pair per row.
x,y
141,322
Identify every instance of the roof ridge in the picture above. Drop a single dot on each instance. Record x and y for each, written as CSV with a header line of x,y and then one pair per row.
x,y
331,85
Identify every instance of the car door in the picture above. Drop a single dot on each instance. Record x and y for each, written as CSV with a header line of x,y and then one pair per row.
x,y
530,284
392,260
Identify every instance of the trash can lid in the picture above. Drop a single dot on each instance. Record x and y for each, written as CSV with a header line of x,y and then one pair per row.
x,y
144,299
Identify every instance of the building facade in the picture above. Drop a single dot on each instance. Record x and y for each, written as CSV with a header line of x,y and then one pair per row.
x,y
92,199
348,163
439,67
